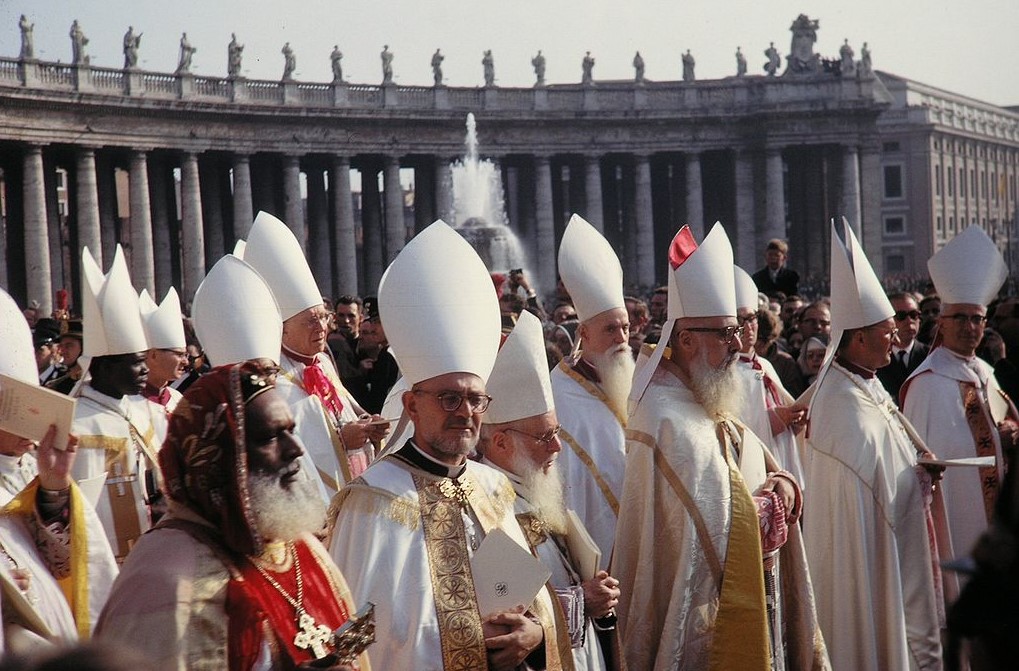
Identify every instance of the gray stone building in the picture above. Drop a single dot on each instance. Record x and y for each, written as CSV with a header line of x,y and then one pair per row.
x,y
174,167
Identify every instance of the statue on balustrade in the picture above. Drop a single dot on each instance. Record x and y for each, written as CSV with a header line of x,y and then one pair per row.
x,y
289,62
846,63
539,69
233,56
131,44
866,70
688,66
186,52
437,59
387,65
741,63
488,63
335,58
638,68
802,59
587,78
78,42
774,60
27,41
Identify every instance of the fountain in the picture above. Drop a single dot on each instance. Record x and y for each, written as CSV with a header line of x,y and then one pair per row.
x,y
478,212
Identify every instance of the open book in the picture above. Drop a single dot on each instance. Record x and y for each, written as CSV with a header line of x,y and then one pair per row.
x,y
27,410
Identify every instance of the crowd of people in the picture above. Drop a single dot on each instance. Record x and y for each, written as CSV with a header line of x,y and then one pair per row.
x,y
454,474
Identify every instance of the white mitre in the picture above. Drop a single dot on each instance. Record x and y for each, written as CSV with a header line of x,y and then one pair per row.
x,y
590,270
273,251
701,284
111,317
519,385
857,297
968,269
164,327
236,317
17,356
747,295
438,307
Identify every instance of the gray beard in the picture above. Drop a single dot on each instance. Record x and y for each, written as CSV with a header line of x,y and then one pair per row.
x,y
545,491
615,368
285,514
717,389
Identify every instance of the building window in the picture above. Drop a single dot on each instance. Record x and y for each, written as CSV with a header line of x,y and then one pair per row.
x,y
940,225
893,181
895,263
895,225
962,182
951,224
973,182
937,180
951,182
890,146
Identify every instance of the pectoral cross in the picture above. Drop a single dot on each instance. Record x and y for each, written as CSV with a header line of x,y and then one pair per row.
x,y
312,636
119,479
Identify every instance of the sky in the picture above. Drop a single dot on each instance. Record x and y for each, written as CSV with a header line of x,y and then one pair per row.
x,y
964,47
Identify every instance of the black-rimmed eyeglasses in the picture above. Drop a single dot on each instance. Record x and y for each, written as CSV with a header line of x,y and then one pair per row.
x,y
450,401
725,334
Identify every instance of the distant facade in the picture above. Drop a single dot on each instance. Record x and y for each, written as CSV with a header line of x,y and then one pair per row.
x,y
947,162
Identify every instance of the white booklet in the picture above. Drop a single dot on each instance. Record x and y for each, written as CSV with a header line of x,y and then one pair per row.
x,y
582,547
27,410
505,574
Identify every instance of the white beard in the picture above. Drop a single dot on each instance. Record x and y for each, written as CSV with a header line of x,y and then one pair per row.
x,y
285,514
546,491
717,389
615,368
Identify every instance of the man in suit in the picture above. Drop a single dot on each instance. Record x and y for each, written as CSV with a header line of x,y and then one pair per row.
x,y
774,277
909,352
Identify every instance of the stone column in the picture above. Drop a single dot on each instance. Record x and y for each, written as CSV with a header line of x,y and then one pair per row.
x,y
243,211
592,192
292,205
371,227
39,284
58,278
343,222
870,215
850,204
774,197
444,190
319,249
159,203
643,214
192,229
694,196
545,224
87,203
143,265
212,210
746,239
396,231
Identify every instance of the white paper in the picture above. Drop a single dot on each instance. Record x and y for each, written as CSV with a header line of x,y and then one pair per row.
x,y
92,488
582,547
981,462
27,410
505,574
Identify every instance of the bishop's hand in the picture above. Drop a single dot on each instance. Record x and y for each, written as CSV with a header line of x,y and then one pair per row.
x,y
601,594
510,637
55,465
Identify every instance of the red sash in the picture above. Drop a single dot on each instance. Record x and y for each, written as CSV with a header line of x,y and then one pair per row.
x,y
316,383
256,610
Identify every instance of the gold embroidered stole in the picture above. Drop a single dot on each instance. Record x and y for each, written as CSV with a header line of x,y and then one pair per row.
x,y
599,479
983,439
592,389
536,532
740,638
122,488
75,585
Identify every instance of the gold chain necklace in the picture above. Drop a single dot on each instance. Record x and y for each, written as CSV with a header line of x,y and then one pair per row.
x,y
309,634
